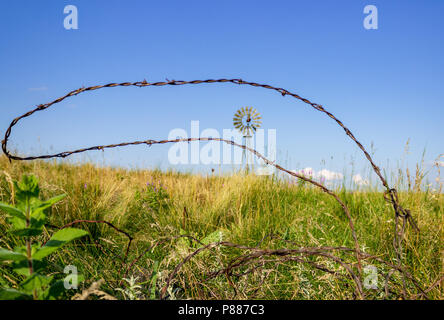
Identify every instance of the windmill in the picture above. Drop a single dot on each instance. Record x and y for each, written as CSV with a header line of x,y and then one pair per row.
x,y
247,120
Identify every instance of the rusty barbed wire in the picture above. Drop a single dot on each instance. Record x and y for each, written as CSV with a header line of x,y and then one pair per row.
x,y
256,255
390,194
144,83
256,153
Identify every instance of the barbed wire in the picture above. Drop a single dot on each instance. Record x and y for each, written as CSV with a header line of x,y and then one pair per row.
x,y
144,83
390,194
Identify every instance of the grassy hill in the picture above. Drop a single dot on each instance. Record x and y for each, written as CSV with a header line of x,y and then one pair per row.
x,y
248,210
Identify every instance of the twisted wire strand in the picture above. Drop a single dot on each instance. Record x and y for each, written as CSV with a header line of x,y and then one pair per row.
x,y
390,194
144,83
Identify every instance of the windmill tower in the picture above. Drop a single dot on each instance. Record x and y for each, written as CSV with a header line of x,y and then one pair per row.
x,y
247,120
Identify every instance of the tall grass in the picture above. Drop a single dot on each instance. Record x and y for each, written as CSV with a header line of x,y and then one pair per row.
x,y
242,208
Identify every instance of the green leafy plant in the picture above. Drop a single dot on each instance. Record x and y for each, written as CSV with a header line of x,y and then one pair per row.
x,y
132,289
26,220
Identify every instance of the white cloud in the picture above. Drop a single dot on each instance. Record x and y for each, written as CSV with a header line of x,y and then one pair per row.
x,y
329,175
358,180
324,174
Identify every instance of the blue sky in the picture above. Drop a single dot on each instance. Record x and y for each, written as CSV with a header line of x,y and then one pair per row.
x,y
386,85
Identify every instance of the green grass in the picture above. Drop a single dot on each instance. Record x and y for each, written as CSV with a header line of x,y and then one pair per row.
x,y
244,209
